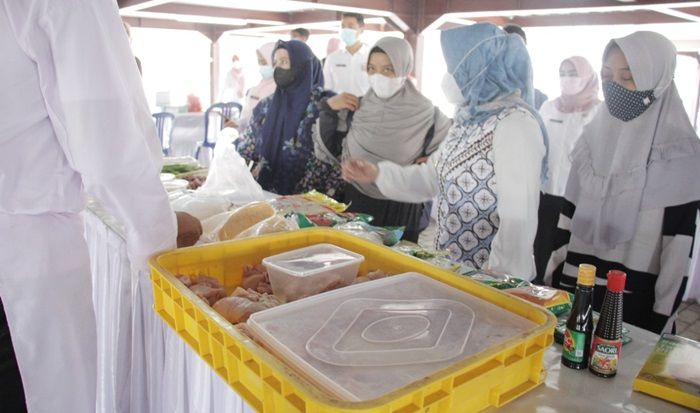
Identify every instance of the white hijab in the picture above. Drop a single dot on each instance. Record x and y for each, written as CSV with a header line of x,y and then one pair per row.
x,y
394,129
651,162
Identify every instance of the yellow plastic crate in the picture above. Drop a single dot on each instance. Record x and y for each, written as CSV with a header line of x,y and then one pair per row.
x,y
492,377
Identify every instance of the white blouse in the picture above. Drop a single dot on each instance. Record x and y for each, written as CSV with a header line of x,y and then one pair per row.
x,y
518,153
563,129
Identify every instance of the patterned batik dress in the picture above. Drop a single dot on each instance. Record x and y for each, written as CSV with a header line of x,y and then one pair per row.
x,y
467,214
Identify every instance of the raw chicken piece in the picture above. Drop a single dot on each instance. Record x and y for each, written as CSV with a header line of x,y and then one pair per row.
x,y
376,274
242,303
185,279
208,293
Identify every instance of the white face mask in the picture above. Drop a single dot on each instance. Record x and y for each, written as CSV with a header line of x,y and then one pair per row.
x,y
451,89
571,85
237,64
348,36
266,72
386,87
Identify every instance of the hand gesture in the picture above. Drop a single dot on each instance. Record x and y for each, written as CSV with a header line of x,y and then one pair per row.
x,y
360,171
344,101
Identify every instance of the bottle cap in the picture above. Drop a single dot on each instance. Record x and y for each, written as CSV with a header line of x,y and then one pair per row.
x,y
586,275
616,281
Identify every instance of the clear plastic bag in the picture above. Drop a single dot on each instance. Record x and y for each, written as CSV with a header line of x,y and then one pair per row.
x,y
269,226
229,175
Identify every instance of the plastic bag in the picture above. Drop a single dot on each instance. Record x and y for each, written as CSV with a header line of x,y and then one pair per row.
x,y
381,235
201,205
269,226
229,175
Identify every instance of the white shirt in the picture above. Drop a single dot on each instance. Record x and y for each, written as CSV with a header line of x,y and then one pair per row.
x,y
74,120
563,129
518,153
345,72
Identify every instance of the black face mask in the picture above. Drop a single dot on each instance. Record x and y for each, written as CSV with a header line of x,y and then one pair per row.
x,y
283,77
626,104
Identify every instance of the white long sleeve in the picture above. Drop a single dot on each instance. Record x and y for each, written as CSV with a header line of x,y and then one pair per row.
x,y
518,153
99,130
328,83
412,183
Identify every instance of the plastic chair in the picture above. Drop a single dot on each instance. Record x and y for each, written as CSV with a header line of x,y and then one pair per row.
x,y
164,125
222,111
186,135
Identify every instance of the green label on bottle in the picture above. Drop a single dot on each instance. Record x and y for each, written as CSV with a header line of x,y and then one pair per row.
x,y
574,345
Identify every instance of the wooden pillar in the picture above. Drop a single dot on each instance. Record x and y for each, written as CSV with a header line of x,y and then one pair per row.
x,y
214,78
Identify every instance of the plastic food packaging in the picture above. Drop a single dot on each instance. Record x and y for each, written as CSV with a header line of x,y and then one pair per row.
x,y
388,236
201,206
311,203
244,218
270,225
556,301
311,270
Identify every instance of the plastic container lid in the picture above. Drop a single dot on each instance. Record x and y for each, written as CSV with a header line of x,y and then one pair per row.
x,y
363,341
616,281
311,260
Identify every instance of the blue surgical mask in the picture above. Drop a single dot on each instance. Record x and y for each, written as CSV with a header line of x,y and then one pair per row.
x,y
348,36
266,72
626,104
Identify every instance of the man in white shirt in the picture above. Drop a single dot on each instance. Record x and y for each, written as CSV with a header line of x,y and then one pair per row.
x,y
345,70
74,121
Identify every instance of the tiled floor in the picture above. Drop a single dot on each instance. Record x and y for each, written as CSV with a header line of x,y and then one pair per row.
x,y
688,321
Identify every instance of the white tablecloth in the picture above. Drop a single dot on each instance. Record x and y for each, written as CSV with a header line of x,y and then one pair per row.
x,y
145,367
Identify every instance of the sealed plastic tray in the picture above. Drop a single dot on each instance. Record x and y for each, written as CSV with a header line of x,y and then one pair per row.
x,y
492,377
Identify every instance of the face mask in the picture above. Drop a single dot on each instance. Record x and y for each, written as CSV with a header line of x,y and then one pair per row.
x,y
283,77
237,64
571,85
385,87
266,71
451,89
626,104
348,36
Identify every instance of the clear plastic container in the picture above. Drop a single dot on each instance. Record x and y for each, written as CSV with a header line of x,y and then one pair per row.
x,y
363,341
311,270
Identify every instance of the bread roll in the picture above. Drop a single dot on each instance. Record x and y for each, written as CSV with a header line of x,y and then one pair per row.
x,y
244,218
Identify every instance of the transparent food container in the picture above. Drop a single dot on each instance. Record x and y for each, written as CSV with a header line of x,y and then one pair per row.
x,y
361,342
311,270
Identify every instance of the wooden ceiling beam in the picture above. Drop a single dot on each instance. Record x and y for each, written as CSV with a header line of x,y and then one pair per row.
x,y
180,8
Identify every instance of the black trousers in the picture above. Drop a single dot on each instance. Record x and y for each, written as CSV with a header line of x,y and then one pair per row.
x,y
547,219
11,390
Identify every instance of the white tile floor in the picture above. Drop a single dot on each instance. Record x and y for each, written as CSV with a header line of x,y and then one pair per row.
x,y
688,321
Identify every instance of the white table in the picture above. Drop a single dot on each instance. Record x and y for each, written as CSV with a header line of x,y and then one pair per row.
x,y
145,367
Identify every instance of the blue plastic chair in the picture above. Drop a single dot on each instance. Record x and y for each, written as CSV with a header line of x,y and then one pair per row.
x,y
164,124
224,111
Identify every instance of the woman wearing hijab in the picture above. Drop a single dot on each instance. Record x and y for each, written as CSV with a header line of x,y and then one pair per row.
x,y
633,191
278,138
393,122
265,88
487,171
565,118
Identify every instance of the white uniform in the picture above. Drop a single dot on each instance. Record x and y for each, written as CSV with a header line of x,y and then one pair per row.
x,y
563,129
345,72
73,120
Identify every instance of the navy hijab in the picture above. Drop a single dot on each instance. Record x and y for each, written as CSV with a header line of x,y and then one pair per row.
x,y
288,106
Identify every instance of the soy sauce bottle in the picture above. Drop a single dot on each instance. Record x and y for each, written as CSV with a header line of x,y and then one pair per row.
x,y
579,326
607,341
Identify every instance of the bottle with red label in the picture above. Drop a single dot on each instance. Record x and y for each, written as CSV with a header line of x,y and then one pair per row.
x,y
579,326
607,341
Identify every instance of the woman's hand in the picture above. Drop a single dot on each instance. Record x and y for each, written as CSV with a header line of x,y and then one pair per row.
x,y
360,171
344,101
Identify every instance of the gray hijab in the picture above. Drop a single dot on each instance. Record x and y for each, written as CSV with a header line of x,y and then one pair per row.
x,y
651,162
394,129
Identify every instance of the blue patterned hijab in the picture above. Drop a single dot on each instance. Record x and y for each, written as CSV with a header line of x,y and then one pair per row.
x,y
488,64
288,105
